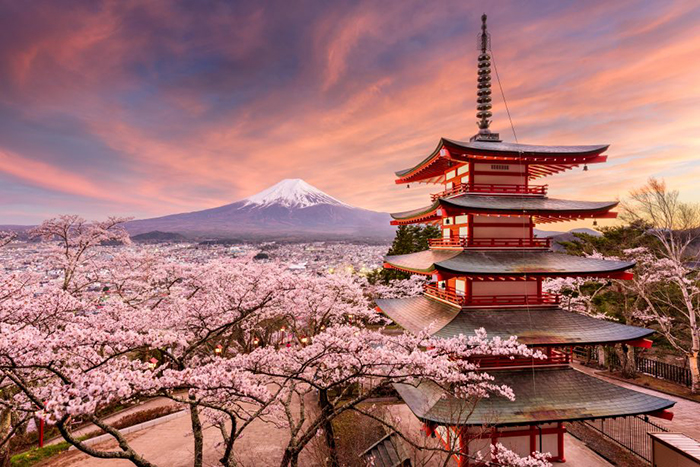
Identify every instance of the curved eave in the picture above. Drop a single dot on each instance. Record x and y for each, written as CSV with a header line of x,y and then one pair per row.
x,y
488,148
530,263
427,214
543,160
542,395
545,326
422,262
544,210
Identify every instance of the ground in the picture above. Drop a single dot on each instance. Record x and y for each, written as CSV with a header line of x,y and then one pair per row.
x,y
170,444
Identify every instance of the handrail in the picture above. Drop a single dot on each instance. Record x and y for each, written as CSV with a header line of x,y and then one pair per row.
x,y
555,358
500,188
464,242
450,294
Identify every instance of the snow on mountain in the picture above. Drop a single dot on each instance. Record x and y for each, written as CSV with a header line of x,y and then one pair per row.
x,y
290,209
292,193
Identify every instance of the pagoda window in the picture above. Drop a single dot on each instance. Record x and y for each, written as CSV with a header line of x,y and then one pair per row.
x,y
447,221
449,185
487,288
464,232
461,219
446,233
463,169
501,227
500,174
451,174
461,287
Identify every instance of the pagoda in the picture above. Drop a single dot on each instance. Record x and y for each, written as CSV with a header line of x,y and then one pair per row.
x,y
486,271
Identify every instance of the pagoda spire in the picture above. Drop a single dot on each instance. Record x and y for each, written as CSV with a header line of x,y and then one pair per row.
x,y
483,101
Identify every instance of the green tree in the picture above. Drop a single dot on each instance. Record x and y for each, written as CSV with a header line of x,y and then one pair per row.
x,y
408,239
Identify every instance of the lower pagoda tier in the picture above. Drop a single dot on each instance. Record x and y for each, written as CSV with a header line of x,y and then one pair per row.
x,y
542,395
505,263
536,326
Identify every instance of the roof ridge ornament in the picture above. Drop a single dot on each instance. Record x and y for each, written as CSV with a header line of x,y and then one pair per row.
x,y
483,101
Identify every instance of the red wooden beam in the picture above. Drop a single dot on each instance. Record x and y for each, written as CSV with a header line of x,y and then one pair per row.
x,y
663,414
641,343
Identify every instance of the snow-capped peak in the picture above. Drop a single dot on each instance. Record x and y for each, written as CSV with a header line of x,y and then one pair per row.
x,y
292,193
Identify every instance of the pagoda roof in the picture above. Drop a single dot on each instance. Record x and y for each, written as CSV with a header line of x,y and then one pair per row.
x,y
534,326
525,205
545,209
422,262
432,167
505,263
542,395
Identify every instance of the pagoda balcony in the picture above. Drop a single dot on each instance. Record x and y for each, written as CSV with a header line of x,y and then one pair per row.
x,y
458,243
491,188
449,294
554,357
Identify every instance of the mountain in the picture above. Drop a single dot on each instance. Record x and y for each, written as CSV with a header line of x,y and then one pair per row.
x,y
569,236
290,210
555,233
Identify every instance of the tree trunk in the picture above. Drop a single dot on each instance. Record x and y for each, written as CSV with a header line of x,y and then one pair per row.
x,y
626,356
198,435
290,458
630,362
693,360
229,460
5,427
327,408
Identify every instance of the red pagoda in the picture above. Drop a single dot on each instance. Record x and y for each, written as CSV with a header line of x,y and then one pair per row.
x,y
486,272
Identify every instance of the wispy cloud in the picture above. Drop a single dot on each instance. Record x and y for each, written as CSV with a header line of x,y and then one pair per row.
x,y
160,107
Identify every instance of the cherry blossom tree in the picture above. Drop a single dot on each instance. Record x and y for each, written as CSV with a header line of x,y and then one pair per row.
x,y
233,340
676,227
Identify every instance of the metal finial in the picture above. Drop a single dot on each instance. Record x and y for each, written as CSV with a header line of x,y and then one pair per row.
x,y
483,101
484,36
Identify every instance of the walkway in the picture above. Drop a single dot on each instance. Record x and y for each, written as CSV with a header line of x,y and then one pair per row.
x,y
686,418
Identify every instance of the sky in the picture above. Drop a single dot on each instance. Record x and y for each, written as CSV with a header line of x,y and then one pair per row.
x,y
148,108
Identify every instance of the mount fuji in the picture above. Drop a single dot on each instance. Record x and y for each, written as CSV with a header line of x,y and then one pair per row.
x,y
290,210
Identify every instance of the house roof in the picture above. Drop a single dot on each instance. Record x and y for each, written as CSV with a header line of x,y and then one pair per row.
x,y
507,263
533,326
524,205
542,395
541,155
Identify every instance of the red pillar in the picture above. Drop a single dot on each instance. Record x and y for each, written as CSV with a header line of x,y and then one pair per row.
x,y
41,433
560,441
533,439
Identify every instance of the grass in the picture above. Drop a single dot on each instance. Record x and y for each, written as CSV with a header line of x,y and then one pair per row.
x,y
36,455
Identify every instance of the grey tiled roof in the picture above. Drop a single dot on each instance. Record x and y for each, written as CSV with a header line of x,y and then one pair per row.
x,y
415,212
387,452
533,263
525,205
528,262
423,261
541,395
511,149
536,326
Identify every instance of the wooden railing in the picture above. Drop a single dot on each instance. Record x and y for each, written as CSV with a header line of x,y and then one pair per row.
x,y
555,357
498,188
449,294
464,242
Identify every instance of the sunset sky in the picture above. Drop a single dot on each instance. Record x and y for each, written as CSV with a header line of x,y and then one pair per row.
x,y
147,108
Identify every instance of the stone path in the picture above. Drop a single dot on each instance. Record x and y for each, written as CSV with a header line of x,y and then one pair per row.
x,y
149,404
170,444
686,417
